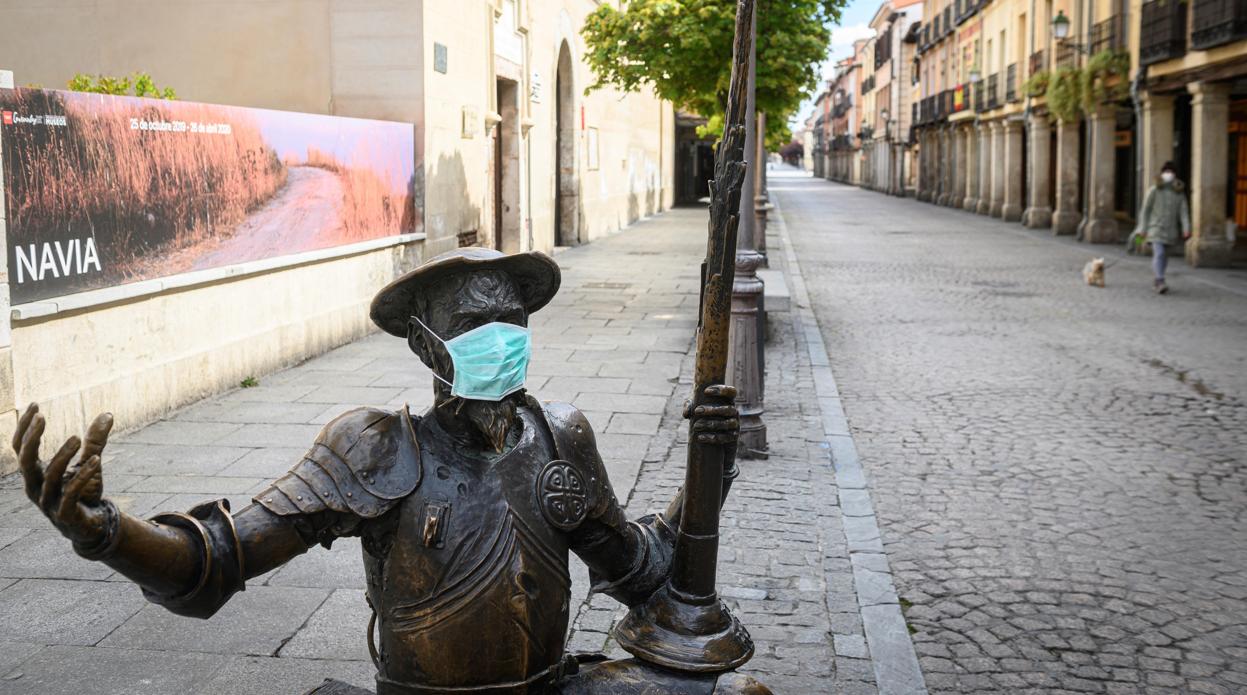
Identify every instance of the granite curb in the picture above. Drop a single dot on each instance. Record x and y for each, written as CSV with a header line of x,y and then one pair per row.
x,y
891,649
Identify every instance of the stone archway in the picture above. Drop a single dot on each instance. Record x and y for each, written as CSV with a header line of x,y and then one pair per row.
x,y
567,185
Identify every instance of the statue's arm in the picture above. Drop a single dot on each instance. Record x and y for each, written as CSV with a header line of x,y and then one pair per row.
x,y
193,562
629,560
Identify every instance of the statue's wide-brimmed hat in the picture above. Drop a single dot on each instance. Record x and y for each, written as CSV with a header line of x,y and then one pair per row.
x,y
535,274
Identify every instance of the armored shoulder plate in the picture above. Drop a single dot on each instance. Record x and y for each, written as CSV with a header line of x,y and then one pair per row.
x,y
574,486
363,462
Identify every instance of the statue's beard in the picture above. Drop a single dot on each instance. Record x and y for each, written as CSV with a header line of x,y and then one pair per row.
x,y
490,421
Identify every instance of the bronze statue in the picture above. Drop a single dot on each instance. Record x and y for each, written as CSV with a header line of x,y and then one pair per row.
x,y
466,513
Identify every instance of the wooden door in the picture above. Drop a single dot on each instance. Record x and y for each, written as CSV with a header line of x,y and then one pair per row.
x,y
1238,178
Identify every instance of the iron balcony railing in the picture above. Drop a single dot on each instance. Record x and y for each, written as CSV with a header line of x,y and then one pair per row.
x,y
930,107
993,90
1108,35
1011,83
1217,22
1038,62
980,101
966,9
948,20
1066,55
936,29
1162,31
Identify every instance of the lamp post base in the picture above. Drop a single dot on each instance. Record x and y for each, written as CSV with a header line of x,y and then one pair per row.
x,y
675,633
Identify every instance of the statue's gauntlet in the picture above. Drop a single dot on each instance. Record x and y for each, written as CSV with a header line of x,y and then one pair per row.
x,y
190,563
652,542
105,545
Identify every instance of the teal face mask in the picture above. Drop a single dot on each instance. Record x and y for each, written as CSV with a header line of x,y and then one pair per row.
x,y
490,361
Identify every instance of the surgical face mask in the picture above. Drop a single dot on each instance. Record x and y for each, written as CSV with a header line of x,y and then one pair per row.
x,y
1167,176
490,361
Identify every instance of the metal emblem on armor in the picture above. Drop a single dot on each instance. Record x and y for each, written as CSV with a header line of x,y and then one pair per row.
x,y
562,495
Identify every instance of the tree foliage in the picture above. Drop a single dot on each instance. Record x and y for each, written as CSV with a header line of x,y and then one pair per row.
x,y
683,50
140,84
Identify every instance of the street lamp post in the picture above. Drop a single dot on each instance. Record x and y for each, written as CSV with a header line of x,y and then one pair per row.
x,y
745,346
762,201
1060,31
1060,26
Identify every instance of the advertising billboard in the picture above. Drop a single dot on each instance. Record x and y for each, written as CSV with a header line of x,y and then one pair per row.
x,y
103,190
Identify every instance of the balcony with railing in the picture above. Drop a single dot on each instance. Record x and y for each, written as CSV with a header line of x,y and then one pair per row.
x,y
1011,84
980,100
1217,22
1162,31
993,90
842,108
1066,55
967,98
1108,35
1038,62
948,20
965,10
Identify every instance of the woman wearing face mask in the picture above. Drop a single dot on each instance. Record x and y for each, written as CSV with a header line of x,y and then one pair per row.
x,y
1164,216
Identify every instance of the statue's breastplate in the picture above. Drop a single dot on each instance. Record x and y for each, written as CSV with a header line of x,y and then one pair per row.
x,y
474,588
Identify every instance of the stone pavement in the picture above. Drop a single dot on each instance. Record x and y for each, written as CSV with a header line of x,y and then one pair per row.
x,y
616,342
1060,471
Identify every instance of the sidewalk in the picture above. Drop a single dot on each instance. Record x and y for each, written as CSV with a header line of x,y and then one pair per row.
x,y
617,342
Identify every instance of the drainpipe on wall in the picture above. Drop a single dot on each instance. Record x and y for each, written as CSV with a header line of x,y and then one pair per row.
x,y
1140,76
8,394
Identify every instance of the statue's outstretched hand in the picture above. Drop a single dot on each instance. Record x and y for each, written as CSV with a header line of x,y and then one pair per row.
x,y
72,497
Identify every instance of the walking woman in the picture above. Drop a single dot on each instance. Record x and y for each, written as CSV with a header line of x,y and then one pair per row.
x,y
1163,218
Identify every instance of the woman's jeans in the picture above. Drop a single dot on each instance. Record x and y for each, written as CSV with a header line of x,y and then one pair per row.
x,y
1159,260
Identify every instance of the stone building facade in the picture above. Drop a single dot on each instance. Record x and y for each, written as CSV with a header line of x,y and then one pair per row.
x,y
991,134
514,154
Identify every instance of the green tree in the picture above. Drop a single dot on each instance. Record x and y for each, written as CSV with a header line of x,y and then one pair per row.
x,y
683,48
140,84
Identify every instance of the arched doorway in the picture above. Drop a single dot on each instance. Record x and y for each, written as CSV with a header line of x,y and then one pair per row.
x,y
566,188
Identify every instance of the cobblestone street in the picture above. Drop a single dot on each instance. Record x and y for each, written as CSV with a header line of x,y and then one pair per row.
x,y
1060,471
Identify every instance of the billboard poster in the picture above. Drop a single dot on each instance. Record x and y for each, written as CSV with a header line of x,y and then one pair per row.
x,y
104,190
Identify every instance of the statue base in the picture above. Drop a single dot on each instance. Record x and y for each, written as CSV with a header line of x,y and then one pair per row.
x,y
684,636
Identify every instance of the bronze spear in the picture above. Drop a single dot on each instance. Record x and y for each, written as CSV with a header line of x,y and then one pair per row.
x,y
684,625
